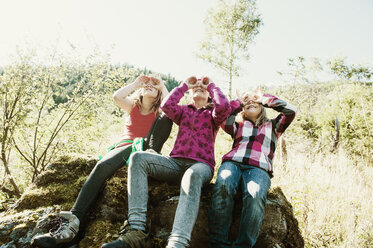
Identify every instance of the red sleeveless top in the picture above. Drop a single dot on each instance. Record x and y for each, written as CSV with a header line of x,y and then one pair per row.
x,y
136,125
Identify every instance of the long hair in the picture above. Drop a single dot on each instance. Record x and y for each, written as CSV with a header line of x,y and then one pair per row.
x,y
156,104
261,118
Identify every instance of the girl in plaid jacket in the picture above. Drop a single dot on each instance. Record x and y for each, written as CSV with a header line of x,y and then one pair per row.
x,y
248,165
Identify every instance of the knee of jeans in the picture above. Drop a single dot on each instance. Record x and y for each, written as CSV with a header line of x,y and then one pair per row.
x,y
256,198
100,166
192,177
255,190
225,182
136,159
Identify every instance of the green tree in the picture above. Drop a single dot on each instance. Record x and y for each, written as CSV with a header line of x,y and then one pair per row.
x,y
230,28
61,105
31,119
15,94
359,73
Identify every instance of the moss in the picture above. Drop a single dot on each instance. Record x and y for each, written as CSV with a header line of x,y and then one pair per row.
x,y
99,232
67,170
59,184
5,239
53,194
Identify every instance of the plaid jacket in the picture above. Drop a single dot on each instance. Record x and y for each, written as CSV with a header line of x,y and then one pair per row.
x,y
254,145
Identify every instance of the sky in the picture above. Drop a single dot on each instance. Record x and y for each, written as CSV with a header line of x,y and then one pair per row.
x,y
164,35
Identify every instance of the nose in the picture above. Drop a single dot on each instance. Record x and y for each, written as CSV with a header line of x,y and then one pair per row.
x,y
199,83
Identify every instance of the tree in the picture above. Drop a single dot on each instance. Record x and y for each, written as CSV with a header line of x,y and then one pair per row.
x,y
15,94
80,87
61,105
358,73
31,116
230,28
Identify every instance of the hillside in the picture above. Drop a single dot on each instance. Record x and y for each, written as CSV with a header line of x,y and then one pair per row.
x,y
323,164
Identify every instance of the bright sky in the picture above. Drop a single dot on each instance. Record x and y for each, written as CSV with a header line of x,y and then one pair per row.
x,y
163,35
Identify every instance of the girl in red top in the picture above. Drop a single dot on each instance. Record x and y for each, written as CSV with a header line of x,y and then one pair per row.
x,y
144,118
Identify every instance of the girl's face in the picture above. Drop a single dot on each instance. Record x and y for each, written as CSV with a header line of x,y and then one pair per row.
x,y
251,110
200,93
199,86
150,88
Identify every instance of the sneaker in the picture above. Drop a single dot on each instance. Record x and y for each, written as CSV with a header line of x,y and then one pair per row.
x,y
130,238
64,232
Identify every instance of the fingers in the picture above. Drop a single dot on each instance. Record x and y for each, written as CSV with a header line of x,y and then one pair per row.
x,y
258,91
141,80
144,79
156,82
239,94
193,81
205,81
254,96
149,80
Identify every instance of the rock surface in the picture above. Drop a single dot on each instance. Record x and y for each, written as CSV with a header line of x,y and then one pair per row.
x,y
57,188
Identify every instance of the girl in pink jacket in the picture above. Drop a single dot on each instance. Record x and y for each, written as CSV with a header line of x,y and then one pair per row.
x,y
191,162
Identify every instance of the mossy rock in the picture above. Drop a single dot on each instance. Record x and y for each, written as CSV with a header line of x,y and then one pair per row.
x,y
57,188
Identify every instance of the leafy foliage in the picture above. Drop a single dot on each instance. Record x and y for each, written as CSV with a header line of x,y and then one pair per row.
x,y
230,28
62,107
66,107
320,104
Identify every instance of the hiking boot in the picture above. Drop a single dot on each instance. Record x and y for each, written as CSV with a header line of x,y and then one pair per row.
x,y
64,232
130,238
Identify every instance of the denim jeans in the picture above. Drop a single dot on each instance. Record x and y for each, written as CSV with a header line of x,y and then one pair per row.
x,y
113,161
254,183
192,175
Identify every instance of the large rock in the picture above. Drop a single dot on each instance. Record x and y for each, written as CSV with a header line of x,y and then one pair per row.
x,y
57,188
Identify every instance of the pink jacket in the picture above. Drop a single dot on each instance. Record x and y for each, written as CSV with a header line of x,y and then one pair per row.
x,y
197,127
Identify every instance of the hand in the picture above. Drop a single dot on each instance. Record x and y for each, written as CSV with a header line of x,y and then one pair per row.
x,y
240,95
258,94
205,81
254,96
192,82
157,83
140,81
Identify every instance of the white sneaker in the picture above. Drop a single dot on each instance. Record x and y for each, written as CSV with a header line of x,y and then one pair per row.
x,y
65,231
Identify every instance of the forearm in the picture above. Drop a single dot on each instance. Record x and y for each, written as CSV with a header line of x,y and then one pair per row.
x,y
277,104
126,90
230,125
170,104
222,107
236,106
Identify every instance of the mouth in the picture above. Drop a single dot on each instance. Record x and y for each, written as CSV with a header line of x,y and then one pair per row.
x,y
148,88
251,106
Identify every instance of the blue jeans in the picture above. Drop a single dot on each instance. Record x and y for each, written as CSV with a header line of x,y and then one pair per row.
x,y
191,174
254,183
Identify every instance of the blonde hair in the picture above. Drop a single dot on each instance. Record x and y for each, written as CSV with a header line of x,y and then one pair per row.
x,y
260,119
